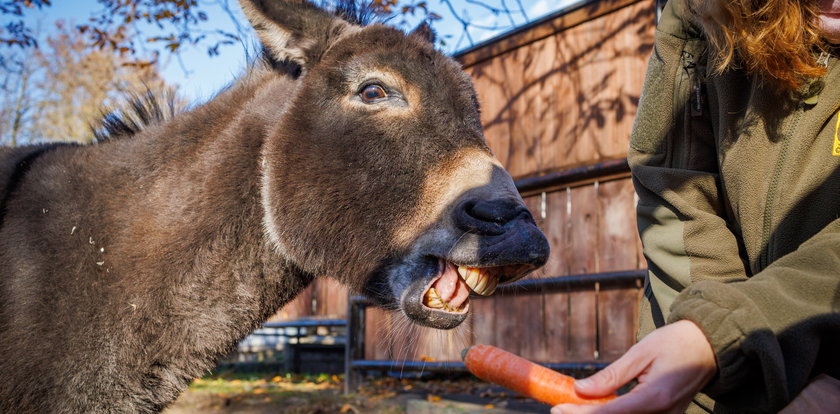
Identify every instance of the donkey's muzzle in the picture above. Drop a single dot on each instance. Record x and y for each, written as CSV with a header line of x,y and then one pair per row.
x,y
503,232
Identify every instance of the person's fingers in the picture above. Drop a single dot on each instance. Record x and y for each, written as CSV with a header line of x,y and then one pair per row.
x,y
615,375
643,399
574,409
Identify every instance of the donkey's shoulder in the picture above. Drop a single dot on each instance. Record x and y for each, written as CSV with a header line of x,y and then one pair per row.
x,y
14,164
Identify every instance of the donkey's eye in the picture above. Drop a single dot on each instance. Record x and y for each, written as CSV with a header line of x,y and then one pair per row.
x,y
372,93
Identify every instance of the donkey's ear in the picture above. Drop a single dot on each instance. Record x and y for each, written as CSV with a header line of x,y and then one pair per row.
x,y
292,30
425,32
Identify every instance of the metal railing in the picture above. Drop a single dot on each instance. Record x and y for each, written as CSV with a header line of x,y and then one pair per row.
x,y
355,363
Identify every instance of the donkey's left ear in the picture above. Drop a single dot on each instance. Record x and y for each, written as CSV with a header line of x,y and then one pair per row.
x,y
294,30
425,32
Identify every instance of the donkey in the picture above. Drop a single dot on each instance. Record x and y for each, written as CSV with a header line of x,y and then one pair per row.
x,y
128,267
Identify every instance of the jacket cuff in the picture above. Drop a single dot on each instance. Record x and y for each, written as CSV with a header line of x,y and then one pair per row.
x,y
726,316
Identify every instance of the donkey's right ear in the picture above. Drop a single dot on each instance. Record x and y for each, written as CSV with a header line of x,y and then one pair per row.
x,y
293,30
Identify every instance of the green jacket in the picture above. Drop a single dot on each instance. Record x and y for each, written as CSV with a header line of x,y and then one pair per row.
x,y
739,199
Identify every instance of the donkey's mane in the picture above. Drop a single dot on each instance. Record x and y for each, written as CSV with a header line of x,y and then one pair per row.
x,y
137,113
358,13
141,111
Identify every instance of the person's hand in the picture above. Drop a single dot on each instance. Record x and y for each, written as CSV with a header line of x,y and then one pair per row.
x,y
671,365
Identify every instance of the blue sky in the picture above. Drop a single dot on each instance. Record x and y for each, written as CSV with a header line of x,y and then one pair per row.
x,y
200,76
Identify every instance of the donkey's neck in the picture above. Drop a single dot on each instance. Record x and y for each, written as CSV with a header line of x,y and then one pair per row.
x,y
187,236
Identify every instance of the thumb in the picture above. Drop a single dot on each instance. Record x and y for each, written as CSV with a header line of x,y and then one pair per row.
x,y
614,376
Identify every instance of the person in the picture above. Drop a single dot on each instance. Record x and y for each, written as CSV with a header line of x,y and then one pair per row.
x,y
735,157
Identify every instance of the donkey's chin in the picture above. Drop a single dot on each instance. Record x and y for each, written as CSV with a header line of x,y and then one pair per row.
x,y
442,299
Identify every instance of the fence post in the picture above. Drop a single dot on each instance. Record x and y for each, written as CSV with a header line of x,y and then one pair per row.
x,y
355,348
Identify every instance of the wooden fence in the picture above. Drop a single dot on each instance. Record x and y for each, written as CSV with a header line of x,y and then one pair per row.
x,y
556,95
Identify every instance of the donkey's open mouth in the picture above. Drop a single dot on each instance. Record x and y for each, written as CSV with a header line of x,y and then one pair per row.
x,y
450,290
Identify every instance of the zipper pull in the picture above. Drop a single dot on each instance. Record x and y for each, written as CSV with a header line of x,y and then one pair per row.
x,y
824,58
696,97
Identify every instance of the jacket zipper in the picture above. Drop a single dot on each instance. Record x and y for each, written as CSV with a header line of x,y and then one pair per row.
x,y
695,100
775,179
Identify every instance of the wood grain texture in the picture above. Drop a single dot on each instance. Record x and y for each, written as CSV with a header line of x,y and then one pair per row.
x,y
570,98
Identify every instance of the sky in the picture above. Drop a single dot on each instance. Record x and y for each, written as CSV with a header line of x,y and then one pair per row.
x,y
199,76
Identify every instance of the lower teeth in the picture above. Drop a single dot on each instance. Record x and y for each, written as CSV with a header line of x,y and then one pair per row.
x,y
433,300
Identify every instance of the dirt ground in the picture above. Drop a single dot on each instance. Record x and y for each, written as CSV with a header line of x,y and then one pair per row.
x,y
323,394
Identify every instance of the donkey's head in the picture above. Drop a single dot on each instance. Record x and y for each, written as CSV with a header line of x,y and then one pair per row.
x,y
378,173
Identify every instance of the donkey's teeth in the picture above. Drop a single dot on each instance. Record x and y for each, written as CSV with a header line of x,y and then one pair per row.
x,y
479,280
472,278
481,284
463,272
433,300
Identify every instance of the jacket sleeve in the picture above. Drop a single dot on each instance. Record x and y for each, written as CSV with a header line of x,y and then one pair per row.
x,y
773,333
680,212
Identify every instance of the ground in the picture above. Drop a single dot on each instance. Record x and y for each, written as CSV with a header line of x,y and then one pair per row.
x,y
323,394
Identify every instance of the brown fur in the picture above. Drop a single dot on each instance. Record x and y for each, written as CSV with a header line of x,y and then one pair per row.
x,y
128,267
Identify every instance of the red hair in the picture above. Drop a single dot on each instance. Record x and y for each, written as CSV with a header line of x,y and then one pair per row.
x,y
775,39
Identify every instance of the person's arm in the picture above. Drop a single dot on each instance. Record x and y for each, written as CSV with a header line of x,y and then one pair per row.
x,y
775,332
752,345
673,157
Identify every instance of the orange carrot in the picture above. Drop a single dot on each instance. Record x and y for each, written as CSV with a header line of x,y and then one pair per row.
x,y
523,376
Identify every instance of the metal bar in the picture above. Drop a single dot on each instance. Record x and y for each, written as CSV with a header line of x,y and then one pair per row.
x,y
452,366
572,175
564,283
306,323
354,347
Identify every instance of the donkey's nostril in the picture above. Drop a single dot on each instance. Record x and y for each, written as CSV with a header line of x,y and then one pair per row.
x,y
488,216
498,211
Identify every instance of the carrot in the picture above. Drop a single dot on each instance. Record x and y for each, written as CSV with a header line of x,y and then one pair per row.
x,y
523,376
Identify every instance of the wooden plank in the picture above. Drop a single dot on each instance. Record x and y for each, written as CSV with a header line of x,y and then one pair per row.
x,y
300,307
583,244
376,333
483,321
507,326
583,216
556,306
538,30
557,228
618,250
557,328
618,312
331,299
567,99
617,234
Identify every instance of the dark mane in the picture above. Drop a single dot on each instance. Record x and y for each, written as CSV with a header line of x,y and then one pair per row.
x,y
139,112
143,110
358,13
